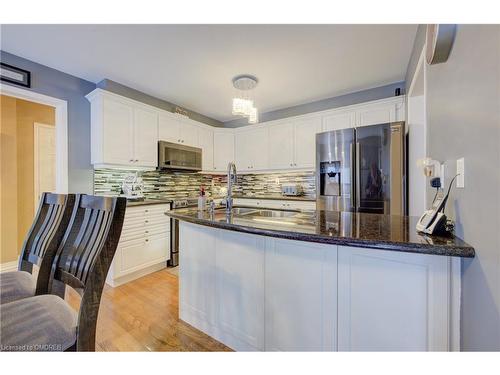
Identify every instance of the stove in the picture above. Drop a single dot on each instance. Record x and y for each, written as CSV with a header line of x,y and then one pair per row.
x,y
174,229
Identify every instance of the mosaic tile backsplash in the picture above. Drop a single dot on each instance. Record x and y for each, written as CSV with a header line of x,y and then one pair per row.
x,y
175,185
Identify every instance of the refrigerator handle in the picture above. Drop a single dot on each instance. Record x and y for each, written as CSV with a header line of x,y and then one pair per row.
x,y
358,177
353,169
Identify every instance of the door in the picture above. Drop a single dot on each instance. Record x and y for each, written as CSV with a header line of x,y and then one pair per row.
x,y
169,129
281,146
335,170
376,114
240,292
206,143
392,301
251,149
145,138
118,132
305,142
301,296
380,169
339,120
45,160
223,150
189,134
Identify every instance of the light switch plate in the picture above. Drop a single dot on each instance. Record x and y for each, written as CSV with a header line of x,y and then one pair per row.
x,y
461,173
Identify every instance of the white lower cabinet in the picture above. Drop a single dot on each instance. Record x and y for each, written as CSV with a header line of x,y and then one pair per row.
x,y
144,245
390,301
301,296
253,292
239,286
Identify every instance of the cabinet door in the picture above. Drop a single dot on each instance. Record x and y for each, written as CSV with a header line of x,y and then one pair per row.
x,y
258,148
206,143
169,129
118,129
240,292
339,120
242,148
197,302
189,134
281,146
301,296
223,150
305,142
377,113
390,301
145,138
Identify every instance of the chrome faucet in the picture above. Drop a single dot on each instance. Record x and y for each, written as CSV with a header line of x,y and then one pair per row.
x,y
232,178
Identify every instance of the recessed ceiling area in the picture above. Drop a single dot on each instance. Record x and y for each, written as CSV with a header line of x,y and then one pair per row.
x,y
193,65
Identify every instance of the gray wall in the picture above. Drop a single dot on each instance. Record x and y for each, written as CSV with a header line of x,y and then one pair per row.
x,y
48,81
322,105
463,102
131,93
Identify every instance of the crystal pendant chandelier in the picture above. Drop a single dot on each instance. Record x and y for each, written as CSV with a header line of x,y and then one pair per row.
x,y
243,105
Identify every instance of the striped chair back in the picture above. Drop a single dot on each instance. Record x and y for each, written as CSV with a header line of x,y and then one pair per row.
x,y
85,255
45,235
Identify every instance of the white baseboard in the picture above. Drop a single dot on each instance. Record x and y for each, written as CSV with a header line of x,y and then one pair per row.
x,y
8,266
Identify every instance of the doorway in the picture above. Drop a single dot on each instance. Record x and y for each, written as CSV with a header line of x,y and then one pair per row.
x,y
29,158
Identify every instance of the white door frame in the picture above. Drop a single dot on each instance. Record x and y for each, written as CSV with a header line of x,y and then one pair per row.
x,y
36,177
61,108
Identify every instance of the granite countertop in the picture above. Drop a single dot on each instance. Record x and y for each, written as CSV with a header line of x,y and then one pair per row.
x,y
384,232
145,202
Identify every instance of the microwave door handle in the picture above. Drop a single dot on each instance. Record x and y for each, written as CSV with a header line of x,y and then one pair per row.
x,y
358,177
353,168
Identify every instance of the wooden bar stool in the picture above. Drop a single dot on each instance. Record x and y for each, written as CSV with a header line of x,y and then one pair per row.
x,y
39,249
47,322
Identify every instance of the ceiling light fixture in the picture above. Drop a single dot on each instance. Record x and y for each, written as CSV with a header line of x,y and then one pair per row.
x,y
243,104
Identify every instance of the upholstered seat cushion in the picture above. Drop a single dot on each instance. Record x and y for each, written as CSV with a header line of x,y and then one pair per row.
x,y
16,285
41,323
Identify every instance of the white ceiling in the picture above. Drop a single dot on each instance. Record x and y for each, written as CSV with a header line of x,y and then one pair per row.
x,y
192,65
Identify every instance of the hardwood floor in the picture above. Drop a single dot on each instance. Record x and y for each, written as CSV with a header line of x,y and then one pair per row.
x,y
143,316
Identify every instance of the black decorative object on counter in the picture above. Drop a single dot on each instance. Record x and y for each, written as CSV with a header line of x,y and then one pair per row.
x,y
14,75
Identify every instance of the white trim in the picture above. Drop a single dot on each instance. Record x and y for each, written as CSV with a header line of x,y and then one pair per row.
x,y
420,65
61,107
8,266
36,144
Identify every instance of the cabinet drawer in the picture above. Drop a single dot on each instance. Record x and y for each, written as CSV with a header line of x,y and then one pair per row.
x,y
139,253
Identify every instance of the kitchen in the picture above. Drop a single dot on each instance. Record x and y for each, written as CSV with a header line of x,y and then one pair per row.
x,y
316,225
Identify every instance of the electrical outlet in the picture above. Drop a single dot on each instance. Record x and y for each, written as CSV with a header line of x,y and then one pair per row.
x,y
461,173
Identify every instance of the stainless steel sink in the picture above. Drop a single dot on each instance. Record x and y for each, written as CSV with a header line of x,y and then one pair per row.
x,y
274,213
243,211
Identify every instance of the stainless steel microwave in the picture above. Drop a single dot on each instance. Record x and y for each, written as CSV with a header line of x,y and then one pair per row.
x,y
178,157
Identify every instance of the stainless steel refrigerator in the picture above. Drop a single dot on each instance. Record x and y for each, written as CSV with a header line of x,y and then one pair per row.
x,y
362,169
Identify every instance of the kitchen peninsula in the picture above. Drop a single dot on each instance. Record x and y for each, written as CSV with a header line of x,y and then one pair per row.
x,y
259,279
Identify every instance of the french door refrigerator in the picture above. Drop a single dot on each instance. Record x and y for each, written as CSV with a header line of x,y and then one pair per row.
x,y
362,169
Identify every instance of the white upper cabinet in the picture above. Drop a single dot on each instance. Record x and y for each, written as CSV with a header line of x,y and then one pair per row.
x,y
113,132
169,128
145,130
251,149
177,129
305,131
206,143
223,150
339,120
281,140
122,133
189,133
379,113
293,144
